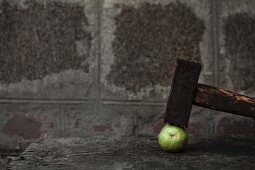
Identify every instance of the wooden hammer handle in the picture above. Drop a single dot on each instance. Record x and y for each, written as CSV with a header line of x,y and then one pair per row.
x,y
223,100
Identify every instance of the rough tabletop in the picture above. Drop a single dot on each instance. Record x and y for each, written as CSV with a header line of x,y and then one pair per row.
x,y
137,153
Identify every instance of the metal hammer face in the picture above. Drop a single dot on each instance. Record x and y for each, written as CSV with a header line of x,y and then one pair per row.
x,y
182,92
185,91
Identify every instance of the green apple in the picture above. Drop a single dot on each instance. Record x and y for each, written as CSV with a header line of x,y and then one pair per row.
x,y
173,138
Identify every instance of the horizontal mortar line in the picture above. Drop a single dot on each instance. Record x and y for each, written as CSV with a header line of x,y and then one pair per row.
x,y
67,101
132,102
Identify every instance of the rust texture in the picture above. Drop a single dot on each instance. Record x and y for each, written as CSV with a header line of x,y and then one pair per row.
x,y
40,40
226,101
240,47
182,93
149,39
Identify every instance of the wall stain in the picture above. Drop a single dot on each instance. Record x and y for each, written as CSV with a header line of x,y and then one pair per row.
x,y
149,39
102,128
233,126
239,32
23,126
41,40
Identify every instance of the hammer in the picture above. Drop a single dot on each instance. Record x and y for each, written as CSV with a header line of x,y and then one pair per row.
x,y
185,91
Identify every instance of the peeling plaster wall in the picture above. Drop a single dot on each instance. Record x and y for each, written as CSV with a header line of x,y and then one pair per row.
x,y
235,67
47,69
41,39
148,40
239,42
104,67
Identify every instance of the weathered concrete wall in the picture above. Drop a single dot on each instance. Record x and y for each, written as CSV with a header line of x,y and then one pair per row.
x,y
236,61
47,49
140,41
103,67
48,84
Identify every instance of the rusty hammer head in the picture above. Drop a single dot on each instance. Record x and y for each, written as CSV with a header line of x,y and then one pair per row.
x,y
182,93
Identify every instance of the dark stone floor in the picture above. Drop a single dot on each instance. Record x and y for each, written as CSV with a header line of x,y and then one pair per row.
x,y
230,152
7,155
